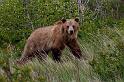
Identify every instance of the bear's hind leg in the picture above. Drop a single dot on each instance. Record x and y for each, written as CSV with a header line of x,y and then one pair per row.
x,y
24,59
56,54
41,55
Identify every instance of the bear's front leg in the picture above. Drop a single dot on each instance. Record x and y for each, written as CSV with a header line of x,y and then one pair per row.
x,y
75,49
56,54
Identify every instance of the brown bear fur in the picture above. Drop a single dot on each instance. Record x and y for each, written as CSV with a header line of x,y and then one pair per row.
x,y
52,38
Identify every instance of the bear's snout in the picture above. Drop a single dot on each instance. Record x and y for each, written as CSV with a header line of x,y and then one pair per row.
x,y
71,30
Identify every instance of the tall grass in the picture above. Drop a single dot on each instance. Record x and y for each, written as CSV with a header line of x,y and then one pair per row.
x,y
72,70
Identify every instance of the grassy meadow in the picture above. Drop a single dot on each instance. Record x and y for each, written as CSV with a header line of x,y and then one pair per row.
x,y
101,38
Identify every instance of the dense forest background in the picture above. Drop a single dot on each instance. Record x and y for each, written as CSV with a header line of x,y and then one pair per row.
x,y
101,37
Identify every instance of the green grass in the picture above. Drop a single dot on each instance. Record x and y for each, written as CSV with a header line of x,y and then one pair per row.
x,y
48,71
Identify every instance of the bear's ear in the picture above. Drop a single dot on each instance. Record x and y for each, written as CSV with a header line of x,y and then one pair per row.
x,y
63,20
76,19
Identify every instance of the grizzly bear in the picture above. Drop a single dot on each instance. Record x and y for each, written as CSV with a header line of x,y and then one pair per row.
x,y
53,38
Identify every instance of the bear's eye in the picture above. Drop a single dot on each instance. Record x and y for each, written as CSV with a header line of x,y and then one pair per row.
x,y
67,26
73,26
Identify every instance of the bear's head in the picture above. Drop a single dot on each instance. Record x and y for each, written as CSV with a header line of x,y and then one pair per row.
x,y
70,27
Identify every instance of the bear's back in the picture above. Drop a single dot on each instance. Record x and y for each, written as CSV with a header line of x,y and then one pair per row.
x,y
40,33
41,37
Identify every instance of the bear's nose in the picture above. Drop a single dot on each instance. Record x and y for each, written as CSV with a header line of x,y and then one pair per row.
x,y
71,32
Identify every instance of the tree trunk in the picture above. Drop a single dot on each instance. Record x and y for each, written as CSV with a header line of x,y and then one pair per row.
x,y
81,9
29,23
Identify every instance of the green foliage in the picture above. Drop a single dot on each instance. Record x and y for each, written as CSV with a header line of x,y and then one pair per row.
x,y
107,45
